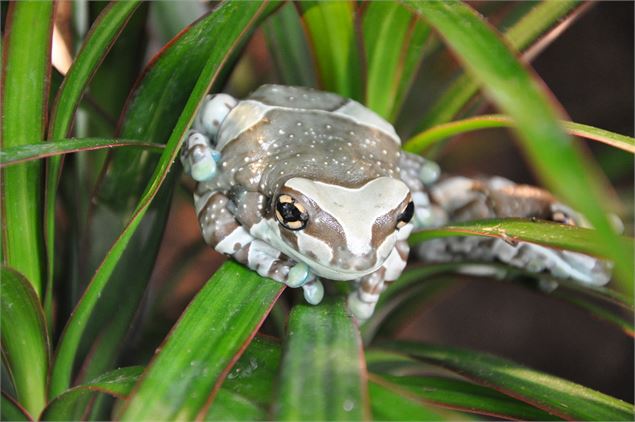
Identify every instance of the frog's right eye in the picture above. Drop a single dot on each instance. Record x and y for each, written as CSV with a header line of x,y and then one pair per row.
x,y
291,214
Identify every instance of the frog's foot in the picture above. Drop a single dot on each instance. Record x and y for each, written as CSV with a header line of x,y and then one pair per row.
x,y
313,291
198,157
299,275
212,113
360,308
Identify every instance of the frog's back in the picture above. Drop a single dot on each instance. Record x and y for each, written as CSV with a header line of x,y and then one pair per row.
x,y
270,99
280,132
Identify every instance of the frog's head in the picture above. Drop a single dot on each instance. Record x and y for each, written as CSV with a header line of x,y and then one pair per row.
x,y
342,233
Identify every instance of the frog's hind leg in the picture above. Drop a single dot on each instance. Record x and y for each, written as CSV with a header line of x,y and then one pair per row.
x,y
222,232
464,199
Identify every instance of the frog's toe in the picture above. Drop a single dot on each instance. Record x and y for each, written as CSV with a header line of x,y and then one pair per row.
x,y
360,309
299,275
429,173
313,292
204,169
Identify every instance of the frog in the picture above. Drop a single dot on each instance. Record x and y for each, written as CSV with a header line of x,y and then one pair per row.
x,y
305,186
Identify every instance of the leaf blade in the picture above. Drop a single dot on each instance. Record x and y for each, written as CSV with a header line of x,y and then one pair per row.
x,y
24,339
323,374
202,346
25,76
30,152
554,395
425,139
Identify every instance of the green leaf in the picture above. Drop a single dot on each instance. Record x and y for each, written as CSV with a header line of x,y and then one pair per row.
x,y
390,405
23,153
522,35
238,18
24,339
192,362
230,406
323,375
71,404
96,45
25,77
289,47
515,230
248,389
555,395
460,395
253,375
331,30
12,411
520,95
424,140
393,41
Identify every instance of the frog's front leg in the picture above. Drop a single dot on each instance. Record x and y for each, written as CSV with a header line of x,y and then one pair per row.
x,y
362,300
226,235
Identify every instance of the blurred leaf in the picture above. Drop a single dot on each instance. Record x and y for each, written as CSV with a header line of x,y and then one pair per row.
x,y
230,406
331,30
429,137
24,339
393,41
96,45
182,379
25,83
172,16
394,298
253,375
522,35
555,395
515,230
11,411
289,48
71,404
519,94
460,395
30,152
239,18
247,391
323,375
390,405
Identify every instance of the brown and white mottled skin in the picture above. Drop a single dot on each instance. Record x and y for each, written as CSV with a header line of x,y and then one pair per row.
x,y
302,185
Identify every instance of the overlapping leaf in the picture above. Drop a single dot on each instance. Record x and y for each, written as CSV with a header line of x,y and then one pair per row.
x,y
193,361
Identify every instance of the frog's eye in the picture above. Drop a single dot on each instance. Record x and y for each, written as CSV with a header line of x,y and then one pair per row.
x,y
406,215
291,214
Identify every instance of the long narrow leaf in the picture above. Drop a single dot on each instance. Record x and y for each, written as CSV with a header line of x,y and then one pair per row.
x,y
331,30
520,36
390,405
70,405
31,152
203,346
461,395
554,235
323,375
240,18
429,137
12,411
24,339
554,395
393,41
96,45
518,93
25,77
289,47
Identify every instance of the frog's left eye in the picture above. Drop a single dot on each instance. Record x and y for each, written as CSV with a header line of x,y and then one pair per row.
x,y
290,213
406,215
